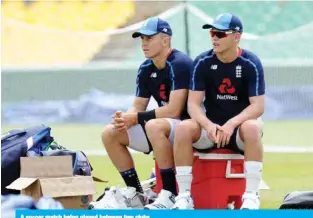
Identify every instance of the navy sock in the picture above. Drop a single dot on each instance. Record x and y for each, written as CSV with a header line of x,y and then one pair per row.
x,y
131,179
169,180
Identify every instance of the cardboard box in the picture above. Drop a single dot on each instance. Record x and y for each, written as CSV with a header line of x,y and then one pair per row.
x,y
53,176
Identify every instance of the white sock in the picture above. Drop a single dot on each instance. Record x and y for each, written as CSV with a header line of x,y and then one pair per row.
x,y
184,178
253,172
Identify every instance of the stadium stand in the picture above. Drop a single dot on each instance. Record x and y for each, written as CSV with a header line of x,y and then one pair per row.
x,y
263,17
69,32
283,46
275,42
58,32
143,10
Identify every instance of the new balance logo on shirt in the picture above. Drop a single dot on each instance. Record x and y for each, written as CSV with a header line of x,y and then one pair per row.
x,y
214,67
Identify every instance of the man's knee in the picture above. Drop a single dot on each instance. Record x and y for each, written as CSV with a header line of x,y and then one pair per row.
x,y
158,127
108,134
187,129
251,129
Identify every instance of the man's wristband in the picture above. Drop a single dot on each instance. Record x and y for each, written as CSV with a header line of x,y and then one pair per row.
x,y
144,117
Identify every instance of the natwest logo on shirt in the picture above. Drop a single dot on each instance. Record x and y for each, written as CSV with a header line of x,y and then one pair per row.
x,y
226,89
227,97
163,92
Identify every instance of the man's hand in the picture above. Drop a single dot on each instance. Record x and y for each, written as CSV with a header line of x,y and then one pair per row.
x,y
211,131
224,133
118,122
123,121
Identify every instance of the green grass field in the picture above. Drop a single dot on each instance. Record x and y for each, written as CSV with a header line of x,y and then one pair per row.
x,y
283,173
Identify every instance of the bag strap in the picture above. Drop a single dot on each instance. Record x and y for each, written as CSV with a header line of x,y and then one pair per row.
x,y
11,134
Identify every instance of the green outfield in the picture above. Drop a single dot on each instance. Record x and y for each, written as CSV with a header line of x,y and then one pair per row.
x,y
87,137
283,173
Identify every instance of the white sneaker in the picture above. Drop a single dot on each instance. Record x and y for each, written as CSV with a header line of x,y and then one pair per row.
x,y
134,199
165,200
250,201
151,195
183,201
120,198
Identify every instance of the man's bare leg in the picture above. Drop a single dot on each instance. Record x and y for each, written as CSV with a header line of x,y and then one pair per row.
x,y
115,143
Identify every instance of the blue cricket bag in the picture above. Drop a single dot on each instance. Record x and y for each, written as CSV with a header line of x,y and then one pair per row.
x,y
80,162
30,142
15,144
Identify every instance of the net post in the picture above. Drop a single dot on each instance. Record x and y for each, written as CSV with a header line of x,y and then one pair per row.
x,y
185,3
